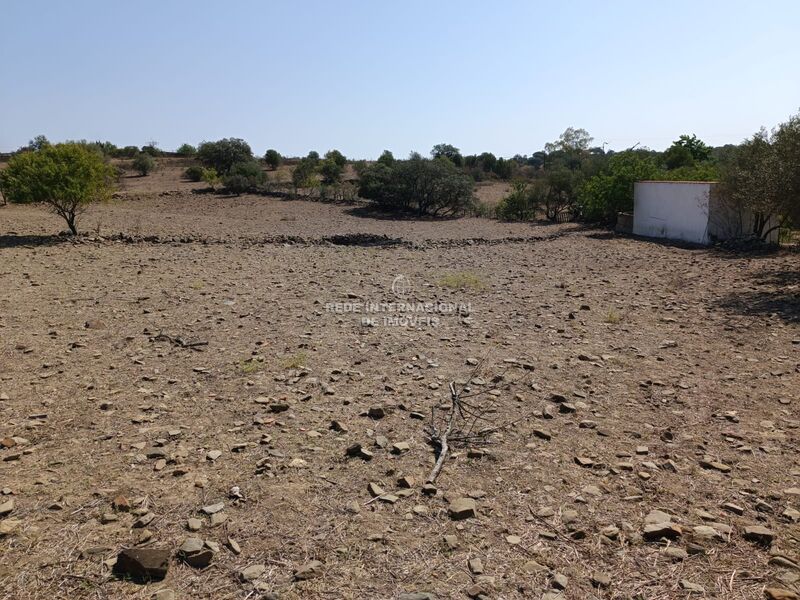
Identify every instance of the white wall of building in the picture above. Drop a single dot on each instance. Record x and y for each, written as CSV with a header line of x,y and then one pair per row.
x,y
676,210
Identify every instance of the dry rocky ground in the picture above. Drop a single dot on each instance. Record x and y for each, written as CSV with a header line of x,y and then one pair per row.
x,y
193,397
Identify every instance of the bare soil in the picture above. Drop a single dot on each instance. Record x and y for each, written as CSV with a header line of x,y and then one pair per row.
x,y
677,362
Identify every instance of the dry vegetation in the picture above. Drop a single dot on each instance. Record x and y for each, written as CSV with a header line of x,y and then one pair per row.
x,y
196,361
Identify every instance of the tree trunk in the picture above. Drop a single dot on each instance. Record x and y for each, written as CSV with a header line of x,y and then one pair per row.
x,y
70,218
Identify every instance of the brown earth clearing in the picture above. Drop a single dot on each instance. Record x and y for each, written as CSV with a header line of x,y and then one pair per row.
x,y
192,350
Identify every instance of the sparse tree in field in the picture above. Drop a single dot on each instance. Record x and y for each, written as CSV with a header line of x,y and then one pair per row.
x,y
449,152
151,148
66,177
332,167
273,159
186,150
304,173
144,164
336,157
572,141
331,171
313,157
386,158
223,154
424,186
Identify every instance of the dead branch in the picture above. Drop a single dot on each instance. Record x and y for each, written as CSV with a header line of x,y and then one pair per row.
x,y
442,440
180,342
467,421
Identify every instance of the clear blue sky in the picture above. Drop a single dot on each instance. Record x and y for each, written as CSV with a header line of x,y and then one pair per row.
x,y
365,75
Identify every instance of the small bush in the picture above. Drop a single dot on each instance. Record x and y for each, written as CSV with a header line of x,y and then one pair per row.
x,y
331,171
482,209
519,205
243,177
186,150
304,173
211,177
144,164
194,173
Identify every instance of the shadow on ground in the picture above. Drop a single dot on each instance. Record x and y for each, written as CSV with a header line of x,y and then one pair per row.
x,y
771,293
371,212
12,240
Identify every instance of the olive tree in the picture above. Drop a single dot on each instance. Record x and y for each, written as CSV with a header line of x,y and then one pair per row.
x,y
449,152
763,176
65,177
144,163
223,154
273,159
186,150
427,187
332,168
304,173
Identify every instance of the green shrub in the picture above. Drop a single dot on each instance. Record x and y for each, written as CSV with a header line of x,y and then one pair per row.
x,y
449,152
151,149
273,159
386,158
482,209
223,154
194,173
331,171
186,150
211,177
337,157
611,191
303,173
519,205
144,164
126,152
66,177
427,187
243,177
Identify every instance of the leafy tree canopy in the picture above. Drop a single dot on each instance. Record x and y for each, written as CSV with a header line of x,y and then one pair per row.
x,y
66,177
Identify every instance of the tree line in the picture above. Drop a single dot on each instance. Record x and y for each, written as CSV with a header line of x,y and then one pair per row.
x,y
569,179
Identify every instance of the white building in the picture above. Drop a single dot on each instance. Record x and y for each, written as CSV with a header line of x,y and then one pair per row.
x,y
687,211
